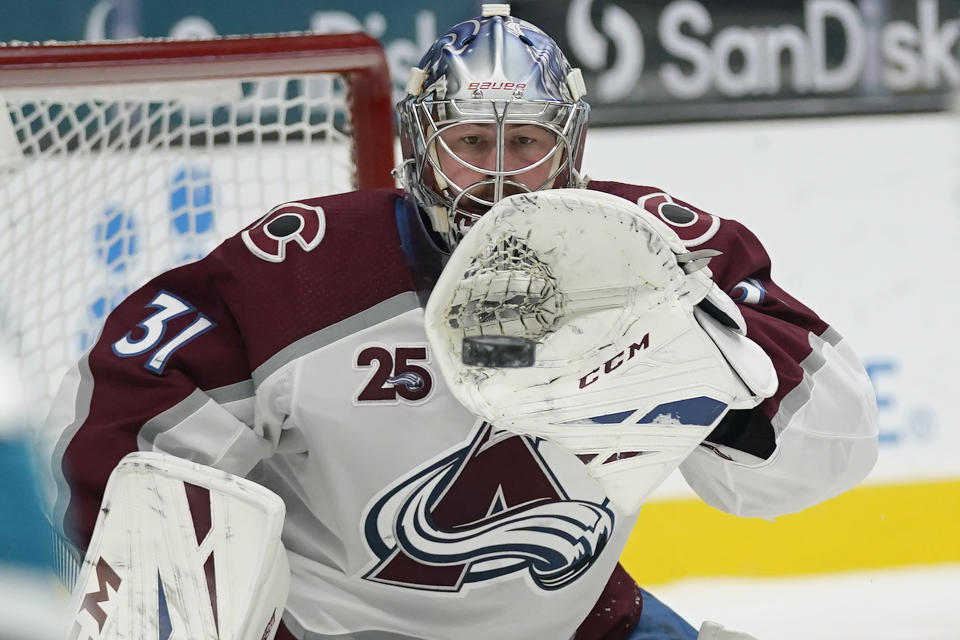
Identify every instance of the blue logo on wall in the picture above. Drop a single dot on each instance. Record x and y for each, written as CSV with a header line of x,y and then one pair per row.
x,y
191,212
117,241
899,421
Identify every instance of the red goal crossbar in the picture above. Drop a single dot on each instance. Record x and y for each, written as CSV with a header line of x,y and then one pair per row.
x,y
355,56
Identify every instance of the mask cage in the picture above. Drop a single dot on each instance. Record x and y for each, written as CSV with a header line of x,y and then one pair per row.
x,y
425,121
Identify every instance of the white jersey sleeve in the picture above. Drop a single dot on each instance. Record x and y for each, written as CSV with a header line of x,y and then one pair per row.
x,y
813,439
826,435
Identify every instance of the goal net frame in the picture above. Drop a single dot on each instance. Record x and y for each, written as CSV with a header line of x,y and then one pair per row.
x,y
40,302
357,56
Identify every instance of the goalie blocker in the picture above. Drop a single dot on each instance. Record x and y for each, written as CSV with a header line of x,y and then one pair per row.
x,y
182,551
638,354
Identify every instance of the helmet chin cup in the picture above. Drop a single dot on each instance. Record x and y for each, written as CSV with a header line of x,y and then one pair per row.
x,y
468,208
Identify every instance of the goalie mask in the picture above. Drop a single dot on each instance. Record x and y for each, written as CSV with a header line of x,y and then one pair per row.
x,y
494,109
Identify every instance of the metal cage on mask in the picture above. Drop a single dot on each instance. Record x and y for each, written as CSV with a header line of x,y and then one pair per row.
x,y
465,203
501,73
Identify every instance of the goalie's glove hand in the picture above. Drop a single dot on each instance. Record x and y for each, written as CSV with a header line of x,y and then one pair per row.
x,y
638,354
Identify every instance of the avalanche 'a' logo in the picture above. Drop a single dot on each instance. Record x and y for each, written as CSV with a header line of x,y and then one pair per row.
x,y
488,509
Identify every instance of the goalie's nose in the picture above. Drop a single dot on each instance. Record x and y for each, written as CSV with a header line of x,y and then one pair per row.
x,y
512,161
488,163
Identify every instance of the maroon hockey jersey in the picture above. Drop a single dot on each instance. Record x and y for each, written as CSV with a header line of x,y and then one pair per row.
x,y
294,354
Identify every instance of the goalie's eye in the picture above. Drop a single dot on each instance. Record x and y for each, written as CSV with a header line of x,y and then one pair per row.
x,y
529,143
469,141
525,136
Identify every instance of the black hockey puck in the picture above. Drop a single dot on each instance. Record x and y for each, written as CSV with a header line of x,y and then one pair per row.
x,y
507,352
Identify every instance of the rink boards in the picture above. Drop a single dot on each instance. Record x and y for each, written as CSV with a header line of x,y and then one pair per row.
x,y
862,218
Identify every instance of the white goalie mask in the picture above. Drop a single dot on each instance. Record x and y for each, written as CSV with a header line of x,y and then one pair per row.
x,y
493,109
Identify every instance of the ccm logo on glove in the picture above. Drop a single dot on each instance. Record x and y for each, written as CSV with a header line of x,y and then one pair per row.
x,y
615,361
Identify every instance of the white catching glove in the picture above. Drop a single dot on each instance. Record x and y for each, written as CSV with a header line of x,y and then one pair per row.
x,y
630,373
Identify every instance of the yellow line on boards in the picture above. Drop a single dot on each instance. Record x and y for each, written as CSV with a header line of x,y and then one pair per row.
x,y
867,527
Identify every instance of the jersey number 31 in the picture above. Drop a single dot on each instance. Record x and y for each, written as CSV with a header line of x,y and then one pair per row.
x,y
154,330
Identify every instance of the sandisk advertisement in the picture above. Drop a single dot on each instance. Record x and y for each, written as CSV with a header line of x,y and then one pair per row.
x,y
686,59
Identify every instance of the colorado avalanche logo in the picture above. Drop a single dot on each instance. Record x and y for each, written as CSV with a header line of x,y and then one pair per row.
x,y
749,291
488,509
285,223
412,381
693,227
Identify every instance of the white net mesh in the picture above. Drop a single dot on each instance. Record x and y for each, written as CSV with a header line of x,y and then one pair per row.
x,y
507,291
102,188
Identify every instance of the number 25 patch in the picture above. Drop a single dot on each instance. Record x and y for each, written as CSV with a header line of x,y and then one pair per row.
x,y
153,332
398,374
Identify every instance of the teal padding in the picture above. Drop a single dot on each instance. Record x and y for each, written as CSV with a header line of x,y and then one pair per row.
x,y
25,536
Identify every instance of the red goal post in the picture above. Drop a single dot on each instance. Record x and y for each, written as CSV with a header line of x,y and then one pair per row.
x,y
121,159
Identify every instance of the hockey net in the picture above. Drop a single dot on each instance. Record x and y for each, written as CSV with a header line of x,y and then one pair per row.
x,y
120,160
